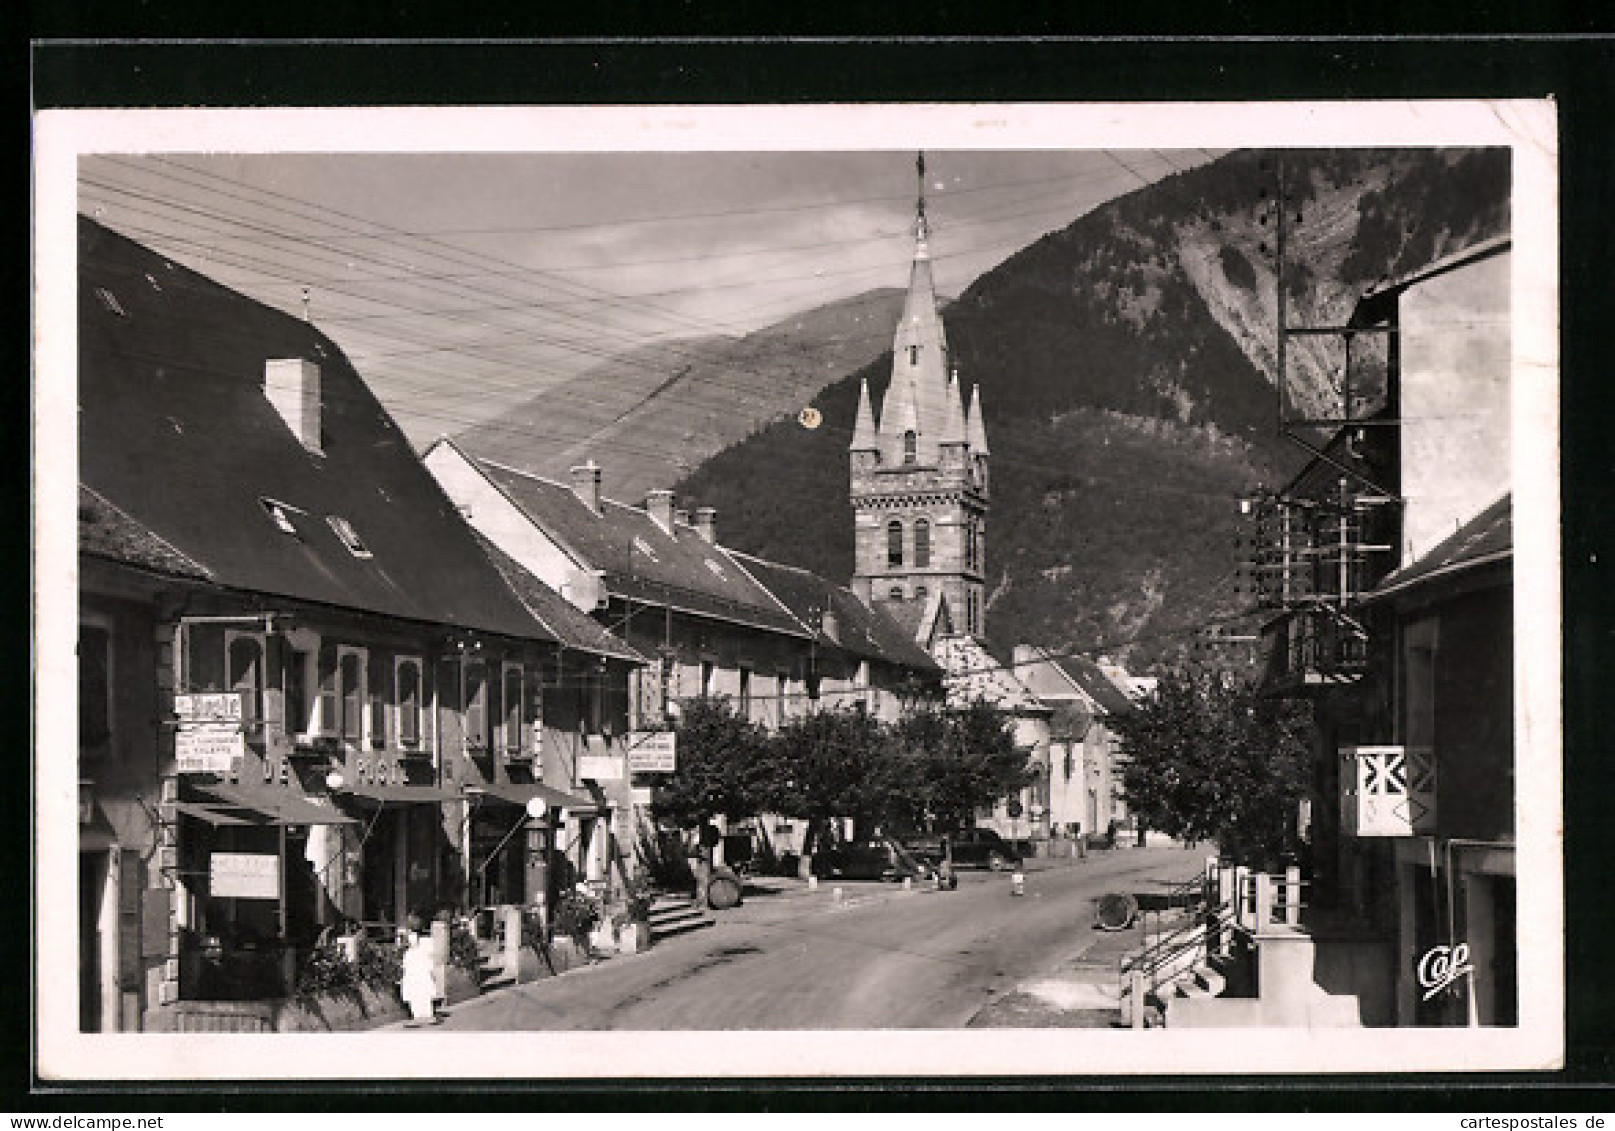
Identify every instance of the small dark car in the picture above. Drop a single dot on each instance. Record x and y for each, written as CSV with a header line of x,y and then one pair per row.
x,y
972,848
868,860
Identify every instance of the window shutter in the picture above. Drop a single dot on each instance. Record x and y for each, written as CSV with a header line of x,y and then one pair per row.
x,y
476,705
276,724
325,708
204,658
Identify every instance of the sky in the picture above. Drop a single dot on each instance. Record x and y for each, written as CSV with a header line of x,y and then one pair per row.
x,y
463,284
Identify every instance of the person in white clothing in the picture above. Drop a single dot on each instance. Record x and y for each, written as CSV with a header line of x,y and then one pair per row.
x,y
416,983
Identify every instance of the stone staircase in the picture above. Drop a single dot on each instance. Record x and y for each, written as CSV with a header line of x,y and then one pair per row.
x,y
673,915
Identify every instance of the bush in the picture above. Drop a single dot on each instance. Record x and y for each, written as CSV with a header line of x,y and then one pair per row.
x,y
463,951
662,856
576,917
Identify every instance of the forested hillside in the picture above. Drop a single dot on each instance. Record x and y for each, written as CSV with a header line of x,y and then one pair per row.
x,y
1127,366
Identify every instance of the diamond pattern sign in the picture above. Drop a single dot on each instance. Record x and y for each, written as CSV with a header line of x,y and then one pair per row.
x,y
1387,790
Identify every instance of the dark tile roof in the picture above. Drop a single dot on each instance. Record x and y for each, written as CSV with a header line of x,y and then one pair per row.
x,y
175,432
857,629
571,627
1484,539
638,560
1094,683
106,532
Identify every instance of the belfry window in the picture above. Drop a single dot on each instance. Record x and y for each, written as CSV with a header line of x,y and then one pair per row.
x,y
922,543
911,446
894,543
913,355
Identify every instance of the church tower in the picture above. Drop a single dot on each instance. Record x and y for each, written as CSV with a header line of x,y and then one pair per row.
x,y
919,469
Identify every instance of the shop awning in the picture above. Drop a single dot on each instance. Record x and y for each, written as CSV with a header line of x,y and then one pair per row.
x,y
521,793
208,813
401,794
246,804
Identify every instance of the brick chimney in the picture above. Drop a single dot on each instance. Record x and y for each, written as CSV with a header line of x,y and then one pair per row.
x,y
586,485
292,386
706,523
659,505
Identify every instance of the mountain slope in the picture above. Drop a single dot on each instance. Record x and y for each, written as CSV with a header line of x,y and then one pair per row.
x,y
653,415
1128,366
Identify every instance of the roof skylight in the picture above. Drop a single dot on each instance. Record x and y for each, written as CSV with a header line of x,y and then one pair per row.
x,y
348,535
281,515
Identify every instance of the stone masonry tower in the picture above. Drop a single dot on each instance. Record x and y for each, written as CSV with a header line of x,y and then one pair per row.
x,y
919,472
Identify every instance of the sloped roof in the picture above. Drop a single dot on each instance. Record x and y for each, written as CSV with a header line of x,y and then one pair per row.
x,y
1095,684
176,433
859,629
638,560
1485,539
973,673
106,532
571,627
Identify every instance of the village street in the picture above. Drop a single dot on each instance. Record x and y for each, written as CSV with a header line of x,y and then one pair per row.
x,y
879,958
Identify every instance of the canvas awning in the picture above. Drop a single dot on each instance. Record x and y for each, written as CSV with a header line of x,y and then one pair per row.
x,y
514,793
401,794
264,805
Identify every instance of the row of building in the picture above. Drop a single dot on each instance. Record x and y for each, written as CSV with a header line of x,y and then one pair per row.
x,y
324,680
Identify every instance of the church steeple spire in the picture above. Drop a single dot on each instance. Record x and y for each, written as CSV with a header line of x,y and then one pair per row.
x,y
865,436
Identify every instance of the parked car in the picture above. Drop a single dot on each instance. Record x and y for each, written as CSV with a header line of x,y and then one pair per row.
x,y
868,860
972,848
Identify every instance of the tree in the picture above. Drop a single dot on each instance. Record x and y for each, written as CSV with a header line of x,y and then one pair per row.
x,y
723,766
1209,758
827,765
960,759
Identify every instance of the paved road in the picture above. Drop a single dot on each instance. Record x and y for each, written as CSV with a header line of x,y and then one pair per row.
x,y
882,958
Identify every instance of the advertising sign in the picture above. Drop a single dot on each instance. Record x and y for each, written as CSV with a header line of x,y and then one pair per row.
x,y
208,748
600,767
245,875
653,752
208,707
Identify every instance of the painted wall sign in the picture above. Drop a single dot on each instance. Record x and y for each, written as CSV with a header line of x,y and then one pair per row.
x,y
653,752
209,748
245,875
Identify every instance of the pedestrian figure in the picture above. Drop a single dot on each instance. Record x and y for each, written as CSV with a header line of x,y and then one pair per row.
x,y
416,983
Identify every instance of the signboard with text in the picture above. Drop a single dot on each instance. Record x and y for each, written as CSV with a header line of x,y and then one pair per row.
x,y
209,748
245,875
208,707
600,767
653,752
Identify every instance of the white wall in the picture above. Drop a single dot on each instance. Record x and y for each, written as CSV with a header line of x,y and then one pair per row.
x,y
1456,367
498,519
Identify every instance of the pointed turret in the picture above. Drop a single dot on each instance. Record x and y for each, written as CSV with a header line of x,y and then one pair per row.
x,y
954,436
865,433
975,427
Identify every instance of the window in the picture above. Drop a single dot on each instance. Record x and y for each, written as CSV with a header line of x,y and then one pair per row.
x,y
706,678
351,696
348,535
379,682
895,593
245,653
407,674
913,355
894,543
95,684
476,704
325,706
281,515
110,302
745,693
513,709
922,543
911,446
921,593
297,721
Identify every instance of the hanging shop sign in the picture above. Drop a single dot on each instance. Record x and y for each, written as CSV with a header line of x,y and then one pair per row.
x,y
653,751
208,707
245,875
209,748
600,767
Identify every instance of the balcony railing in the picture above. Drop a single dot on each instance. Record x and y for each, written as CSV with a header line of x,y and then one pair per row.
x,y
1314,646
